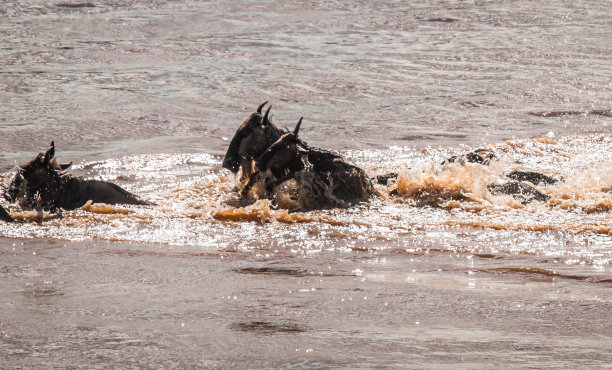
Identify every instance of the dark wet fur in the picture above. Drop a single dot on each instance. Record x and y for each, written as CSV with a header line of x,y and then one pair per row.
x,y
251,140
74,192
386,179
320,171
237,150
43,184
4,215
535,178
521,191
477,156
351,182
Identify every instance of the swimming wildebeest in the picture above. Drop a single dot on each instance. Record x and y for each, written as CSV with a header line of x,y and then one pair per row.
x,y
477,156
329,180
44,184
520,191
535,178
516,186
251,140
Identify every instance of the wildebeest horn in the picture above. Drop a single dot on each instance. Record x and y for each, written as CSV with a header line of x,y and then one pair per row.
x,y
65,166
50,153
297,127
265,119
261,106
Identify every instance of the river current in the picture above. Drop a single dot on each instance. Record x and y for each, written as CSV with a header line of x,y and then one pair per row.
x,y
433,271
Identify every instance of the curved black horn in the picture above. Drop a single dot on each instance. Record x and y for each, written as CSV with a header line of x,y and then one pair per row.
x,y
50,153
65,166
261,107
297,127
265,119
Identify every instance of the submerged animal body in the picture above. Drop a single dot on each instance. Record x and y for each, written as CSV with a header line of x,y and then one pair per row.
x,y
348,183
480,156
521,191
535,178
517,185
325,179
44,184
251,140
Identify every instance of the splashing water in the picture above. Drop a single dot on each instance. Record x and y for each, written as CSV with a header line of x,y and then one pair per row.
x,y
196,204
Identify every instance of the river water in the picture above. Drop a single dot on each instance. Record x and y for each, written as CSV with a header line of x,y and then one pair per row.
x,y
434,271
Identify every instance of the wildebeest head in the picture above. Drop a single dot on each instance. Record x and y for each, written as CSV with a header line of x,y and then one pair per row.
x,y
36,179
284,154
252,138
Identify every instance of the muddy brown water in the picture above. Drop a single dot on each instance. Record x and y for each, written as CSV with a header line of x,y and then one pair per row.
x,y
441,274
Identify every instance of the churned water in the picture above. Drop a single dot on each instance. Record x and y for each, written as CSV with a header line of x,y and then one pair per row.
x,y
433,271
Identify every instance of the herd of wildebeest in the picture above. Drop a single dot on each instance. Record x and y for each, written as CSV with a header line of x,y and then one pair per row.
x,y
266,156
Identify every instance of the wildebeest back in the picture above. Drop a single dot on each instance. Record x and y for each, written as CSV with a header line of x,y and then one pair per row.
x,y
349,183
78,192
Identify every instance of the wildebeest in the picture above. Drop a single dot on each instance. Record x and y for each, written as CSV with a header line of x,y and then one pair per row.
x,y
251,140
330,181
479,156
535,178
516,186
44,184
521,191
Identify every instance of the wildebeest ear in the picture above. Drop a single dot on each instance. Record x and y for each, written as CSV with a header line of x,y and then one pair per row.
x,y
50,153
265,118
297,127
261,106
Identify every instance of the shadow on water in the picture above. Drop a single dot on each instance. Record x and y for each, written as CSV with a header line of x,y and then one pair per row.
x,y
285,271
37,291
532,271
267,327
272,271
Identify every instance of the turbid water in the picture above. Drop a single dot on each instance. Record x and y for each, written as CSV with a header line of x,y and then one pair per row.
x,y
434,271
